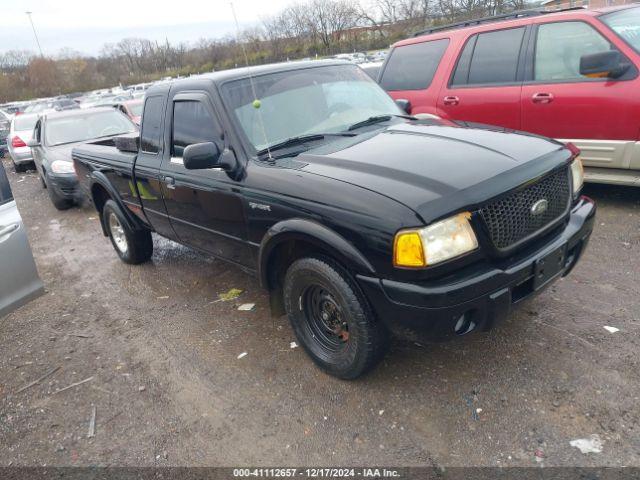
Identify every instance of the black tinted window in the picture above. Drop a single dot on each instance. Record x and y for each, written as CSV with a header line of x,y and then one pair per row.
x,y
192,123
5,188
412,67
461,75
151,121
495,57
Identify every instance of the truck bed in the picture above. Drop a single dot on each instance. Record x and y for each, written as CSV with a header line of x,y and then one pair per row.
x,y
104,152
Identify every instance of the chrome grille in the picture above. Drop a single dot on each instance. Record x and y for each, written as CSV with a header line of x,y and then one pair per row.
x,y
510,219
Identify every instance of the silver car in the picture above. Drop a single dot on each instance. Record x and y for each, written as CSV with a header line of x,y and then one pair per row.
x,y
22,283
20,133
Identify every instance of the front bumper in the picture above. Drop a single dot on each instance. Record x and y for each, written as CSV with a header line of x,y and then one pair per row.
x,y
442,309
65,185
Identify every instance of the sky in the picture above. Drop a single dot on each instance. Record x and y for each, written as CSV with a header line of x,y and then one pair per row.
x,y
85,25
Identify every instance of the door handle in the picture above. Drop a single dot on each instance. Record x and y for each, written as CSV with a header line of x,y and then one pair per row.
x,y
8,229
171,182
451,100
542,98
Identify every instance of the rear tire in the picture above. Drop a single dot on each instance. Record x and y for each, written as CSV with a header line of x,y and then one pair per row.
x,y
19,168
132,246
332,320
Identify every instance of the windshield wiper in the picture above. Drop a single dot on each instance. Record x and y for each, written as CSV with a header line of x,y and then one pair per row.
x,y
301,139
377,119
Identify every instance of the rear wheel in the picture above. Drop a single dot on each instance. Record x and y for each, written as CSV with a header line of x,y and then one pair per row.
x,y
332,320
132,246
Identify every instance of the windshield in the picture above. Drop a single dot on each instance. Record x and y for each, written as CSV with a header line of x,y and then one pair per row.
x,y
78,128
626,23
303,102
22,123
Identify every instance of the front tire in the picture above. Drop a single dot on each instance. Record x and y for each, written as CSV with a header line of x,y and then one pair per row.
x,y
332,320
132,246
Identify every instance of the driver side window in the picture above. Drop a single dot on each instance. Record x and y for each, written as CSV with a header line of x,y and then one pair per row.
x,y
193,123
559,47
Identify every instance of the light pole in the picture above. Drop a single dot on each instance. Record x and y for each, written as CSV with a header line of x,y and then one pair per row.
x,y
34,33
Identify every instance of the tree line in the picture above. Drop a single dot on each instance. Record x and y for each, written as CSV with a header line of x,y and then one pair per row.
x,y
311,28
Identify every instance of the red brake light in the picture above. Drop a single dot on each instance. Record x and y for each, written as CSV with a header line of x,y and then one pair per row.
x,y
17,142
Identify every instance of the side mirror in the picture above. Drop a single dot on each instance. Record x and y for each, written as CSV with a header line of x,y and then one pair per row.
x,y
33,143
404,104
199,156
603,65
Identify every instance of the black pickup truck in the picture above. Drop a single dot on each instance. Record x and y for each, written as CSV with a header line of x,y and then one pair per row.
x,y
359,220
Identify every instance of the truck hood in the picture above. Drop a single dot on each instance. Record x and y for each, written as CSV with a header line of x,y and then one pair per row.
x,y
437,168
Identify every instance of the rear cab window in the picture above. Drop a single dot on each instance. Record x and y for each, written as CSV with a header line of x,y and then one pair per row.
x,y
151,123
412,67
490,58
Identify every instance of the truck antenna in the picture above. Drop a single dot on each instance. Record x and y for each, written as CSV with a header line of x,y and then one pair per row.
x,y
256,101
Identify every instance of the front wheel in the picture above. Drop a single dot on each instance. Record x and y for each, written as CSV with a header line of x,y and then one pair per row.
x,y
132,246
332,320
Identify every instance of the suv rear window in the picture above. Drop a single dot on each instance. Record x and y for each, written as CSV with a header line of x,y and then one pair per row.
x,y
490,58
412,67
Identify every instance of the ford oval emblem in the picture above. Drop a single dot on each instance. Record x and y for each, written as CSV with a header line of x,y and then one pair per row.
x,y
539,207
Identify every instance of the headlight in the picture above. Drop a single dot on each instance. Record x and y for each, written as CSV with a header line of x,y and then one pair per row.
x,y
577,175
62,166
436,243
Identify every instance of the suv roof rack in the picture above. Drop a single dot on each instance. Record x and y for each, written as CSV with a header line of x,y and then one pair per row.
x,y
495,18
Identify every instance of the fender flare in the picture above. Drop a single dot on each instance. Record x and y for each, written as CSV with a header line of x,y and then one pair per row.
x,y
312,232
101,179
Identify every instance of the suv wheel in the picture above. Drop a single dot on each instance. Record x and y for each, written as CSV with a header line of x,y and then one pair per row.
x,y
332,320
132,246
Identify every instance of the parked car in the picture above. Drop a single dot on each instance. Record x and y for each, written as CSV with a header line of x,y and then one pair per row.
x,y
106,100
132,109
20,133
19,282
55,134
571,75
12,108
5,123
357,219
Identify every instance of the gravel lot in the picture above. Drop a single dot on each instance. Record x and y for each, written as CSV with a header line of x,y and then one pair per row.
x,y
169,389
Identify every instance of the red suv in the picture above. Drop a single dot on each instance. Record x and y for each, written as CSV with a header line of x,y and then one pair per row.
x,y
572,75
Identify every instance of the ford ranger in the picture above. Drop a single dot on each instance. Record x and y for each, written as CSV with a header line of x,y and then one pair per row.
x,y
359,220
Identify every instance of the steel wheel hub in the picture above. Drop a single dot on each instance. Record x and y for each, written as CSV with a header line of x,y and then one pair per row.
x,y
326,319
117,233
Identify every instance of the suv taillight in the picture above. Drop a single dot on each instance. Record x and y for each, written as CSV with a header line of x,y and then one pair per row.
x,y
17,142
